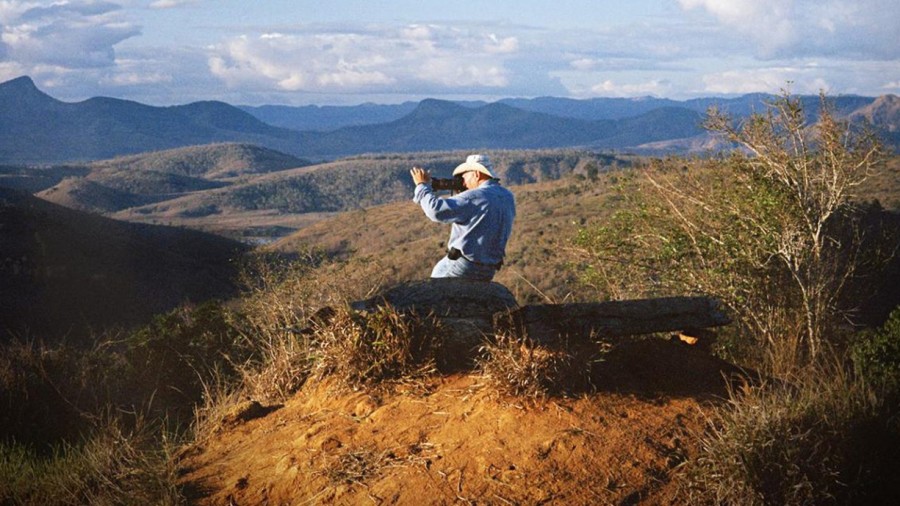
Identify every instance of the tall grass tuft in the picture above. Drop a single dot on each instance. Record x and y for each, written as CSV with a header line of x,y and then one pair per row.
x,y
367,348
279,308
113,466
823,438
521,367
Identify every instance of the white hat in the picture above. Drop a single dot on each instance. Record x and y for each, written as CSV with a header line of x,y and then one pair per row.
x,y
478,163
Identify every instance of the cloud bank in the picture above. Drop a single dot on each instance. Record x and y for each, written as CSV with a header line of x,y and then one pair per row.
x,y
149,50
71,35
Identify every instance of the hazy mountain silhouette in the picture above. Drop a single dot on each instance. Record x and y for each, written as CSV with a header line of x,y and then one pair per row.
x,y
327,118
38,129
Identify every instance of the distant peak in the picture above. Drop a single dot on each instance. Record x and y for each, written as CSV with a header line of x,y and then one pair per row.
x,y
23,82
433,107
23,90
435,102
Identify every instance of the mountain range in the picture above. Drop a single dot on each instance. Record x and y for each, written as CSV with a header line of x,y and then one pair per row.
x,y
36,128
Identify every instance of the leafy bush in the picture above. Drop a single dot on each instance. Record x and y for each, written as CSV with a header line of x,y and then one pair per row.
x,y
52,393
171,356
876,354
49,393
773,233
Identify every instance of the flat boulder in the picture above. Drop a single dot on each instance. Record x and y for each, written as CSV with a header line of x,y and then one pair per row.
x,y
445,298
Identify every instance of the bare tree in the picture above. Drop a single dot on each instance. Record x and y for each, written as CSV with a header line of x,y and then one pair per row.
x,y
816,168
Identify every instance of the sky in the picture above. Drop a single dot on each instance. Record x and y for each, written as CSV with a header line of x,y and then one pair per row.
x,y
346,52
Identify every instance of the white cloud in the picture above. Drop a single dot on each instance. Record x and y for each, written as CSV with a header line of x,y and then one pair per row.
x,y
708,47
380,59
168,4
10,70
69,34
801,28
498,45
608,88
771,80
10,10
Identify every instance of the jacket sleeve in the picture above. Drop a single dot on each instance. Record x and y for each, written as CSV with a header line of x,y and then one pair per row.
x,y
454,209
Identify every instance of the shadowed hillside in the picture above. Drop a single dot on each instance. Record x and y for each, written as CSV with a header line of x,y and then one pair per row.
x,y
65,272
86,195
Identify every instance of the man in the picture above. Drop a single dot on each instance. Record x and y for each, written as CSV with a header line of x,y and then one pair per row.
x,y
481,218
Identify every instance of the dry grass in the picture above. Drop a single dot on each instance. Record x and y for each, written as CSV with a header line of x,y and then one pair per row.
x,y
220,396
822,438
114,466
520,367
280,306
367,348
356,466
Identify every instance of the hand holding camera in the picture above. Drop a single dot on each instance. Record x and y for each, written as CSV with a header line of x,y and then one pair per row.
x,y
454,184
420,175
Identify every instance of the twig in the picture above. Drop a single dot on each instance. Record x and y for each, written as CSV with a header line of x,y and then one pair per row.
x,y
536,289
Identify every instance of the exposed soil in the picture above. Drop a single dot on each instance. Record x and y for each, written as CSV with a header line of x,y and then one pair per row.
x,y
454,439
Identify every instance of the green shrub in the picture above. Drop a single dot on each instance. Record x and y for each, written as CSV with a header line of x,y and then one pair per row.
x,y
876,354
51,393
771,231
171,355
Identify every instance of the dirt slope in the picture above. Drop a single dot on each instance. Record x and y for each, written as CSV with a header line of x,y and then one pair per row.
x,y
455,440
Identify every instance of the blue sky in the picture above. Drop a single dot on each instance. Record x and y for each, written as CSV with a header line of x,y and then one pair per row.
x,y
166,52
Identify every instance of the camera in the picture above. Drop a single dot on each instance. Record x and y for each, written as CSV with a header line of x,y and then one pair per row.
x,y
454,184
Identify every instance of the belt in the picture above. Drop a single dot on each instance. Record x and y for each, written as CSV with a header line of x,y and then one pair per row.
x,y
455,254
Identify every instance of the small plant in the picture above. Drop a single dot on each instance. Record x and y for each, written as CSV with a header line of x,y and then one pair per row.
x,y
366,348
523,368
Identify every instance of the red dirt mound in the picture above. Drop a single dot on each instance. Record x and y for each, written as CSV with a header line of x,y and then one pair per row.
x,y
455,439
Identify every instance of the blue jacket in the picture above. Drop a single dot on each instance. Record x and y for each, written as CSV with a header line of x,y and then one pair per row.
x,y
481,219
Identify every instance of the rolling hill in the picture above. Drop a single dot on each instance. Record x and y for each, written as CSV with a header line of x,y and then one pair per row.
x,y
211,161
306,194
274,194
132,181
67,273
